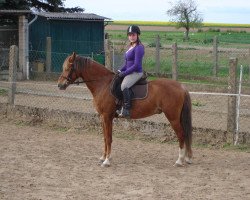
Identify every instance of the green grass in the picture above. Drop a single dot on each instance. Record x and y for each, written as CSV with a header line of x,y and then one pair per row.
x,y
240,147
204,38
59,128
197,104
21,123
226,146
3,92
195,67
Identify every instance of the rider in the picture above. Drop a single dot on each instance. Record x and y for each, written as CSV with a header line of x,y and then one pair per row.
x,y
132,70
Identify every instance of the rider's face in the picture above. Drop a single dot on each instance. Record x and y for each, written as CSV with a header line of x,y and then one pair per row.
x,y
132,37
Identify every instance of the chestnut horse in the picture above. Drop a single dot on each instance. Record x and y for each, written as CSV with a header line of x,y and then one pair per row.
x,y
167,96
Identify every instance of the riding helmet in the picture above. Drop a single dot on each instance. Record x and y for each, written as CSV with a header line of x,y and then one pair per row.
x,y
134,29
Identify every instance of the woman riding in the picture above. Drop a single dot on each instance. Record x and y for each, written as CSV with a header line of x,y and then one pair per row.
x,y
132,70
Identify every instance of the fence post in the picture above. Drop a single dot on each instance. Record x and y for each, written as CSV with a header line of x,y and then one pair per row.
x,y
174,63
232,89
215,55
23,46
13,58
157,54
48,54
249,64
108,53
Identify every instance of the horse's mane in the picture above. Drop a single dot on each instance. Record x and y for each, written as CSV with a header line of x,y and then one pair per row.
x,y
87,62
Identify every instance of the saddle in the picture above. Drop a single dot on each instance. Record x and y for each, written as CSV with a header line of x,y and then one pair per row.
x,y
138,91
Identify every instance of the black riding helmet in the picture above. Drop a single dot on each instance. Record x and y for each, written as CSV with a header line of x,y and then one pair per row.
x,y
134,29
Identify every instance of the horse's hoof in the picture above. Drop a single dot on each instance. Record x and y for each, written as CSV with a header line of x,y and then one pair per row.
x,y
100,162
178,165
188,161
106,163
102,159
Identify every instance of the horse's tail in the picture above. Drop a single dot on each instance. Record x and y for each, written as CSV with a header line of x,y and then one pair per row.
x,y
186,122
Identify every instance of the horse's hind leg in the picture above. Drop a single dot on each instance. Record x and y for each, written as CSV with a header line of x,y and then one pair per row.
x,y
188,158
176,125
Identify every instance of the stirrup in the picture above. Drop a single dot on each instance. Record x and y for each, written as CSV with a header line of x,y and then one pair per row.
x,y
118,112
124,113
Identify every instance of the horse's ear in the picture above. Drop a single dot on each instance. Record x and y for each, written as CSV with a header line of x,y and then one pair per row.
x,y
72,57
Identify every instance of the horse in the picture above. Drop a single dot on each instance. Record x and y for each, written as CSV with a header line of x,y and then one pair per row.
x,y
164,95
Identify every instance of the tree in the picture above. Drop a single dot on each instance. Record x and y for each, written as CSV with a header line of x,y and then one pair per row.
x,y
52,6
39,5
13,5
185,14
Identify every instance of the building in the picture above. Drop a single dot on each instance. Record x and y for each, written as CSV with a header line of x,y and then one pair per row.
x,y
47,38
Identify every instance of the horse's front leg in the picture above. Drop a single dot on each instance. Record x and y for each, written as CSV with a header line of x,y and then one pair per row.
x,y
105,143
105,146
107,132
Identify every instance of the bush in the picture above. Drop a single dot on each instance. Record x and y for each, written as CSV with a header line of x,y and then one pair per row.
x,y
153,44
213,30
208,41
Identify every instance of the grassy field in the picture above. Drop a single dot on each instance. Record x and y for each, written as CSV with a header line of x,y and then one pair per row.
x,y
195,57
199,38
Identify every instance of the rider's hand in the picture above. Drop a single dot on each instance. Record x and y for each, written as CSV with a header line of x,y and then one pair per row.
x,y
121,74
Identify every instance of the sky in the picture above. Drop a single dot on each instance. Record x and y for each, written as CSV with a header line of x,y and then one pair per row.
x,y
212,11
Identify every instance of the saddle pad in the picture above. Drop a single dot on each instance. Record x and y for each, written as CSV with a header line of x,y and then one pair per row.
x,y
140,91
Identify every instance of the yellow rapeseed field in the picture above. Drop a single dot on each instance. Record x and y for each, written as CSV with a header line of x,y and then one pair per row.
x,y
162,23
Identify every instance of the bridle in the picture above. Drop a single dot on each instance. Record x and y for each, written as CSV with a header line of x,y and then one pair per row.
x,y
69,77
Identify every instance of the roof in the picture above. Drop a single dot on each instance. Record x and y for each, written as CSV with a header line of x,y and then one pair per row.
x,y
15,12
71,16
56,15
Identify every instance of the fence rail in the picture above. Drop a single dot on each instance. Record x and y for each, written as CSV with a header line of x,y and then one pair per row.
x,y
210,110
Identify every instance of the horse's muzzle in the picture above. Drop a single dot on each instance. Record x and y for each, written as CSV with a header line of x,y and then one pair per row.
x,y
62,86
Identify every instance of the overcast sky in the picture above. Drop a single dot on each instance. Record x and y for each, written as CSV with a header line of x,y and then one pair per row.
x,y
214,11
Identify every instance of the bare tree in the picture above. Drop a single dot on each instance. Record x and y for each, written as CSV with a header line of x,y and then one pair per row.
x,y
185,14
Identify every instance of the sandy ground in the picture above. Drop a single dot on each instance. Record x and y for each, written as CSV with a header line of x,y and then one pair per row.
x,y
39,162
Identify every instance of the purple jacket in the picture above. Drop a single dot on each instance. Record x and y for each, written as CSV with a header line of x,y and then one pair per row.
x,y
133,60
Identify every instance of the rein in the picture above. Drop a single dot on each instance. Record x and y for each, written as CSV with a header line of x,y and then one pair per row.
x,y
78,82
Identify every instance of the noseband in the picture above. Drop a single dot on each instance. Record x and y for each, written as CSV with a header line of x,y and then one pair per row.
x,y
69,77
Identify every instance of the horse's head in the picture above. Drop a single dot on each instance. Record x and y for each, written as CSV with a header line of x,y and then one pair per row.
x,y
69,74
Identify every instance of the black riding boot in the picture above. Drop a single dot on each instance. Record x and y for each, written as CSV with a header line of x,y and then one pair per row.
x,y
126,103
